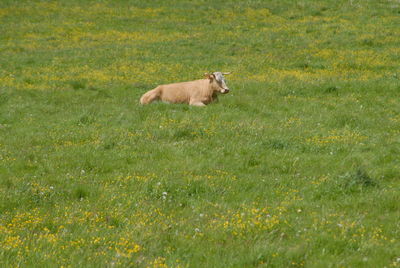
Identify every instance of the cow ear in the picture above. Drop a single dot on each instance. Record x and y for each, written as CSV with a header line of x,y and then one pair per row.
x,y
209,76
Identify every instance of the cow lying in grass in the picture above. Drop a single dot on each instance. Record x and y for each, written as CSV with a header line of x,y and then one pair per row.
x,y
198,93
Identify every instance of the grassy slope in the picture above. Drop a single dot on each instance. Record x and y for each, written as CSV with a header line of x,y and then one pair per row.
x,y
298,166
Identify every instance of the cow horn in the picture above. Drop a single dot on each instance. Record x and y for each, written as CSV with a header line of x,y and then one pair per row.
x,y
226,73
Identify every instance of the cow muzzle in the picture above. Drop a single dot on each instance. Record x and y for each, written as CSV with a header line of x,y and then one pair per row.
x,y
225,90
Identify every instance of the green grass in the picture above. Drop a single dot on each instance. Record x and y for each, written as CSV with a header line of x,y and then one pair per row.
x,y
297,166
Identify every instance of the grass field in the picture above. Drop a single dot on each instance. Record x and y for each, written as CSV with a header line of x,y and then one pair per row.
x,y
298,166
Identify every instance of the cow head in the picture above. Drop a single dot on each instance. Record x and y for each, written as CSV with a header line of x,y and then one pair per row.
x,y
217,80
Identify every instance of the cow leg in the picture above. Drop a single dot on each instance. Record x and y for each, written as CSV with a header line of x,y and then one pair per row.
x,y
198,103
150,96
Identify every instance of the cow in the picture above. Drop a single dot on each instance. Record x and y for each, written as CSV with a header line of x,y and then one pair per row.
x,y
197,93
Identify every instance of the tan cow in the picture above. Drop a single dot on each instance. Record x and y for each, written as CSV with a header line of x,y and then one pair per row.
x,y
199,92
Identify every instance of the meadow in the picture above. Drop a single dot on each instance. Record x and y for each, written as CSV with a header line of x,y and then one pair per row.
x,y
297,167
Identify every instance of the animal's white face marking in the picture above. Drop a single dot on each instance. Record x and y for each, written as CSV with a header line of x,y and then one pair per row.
x,y
221,82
